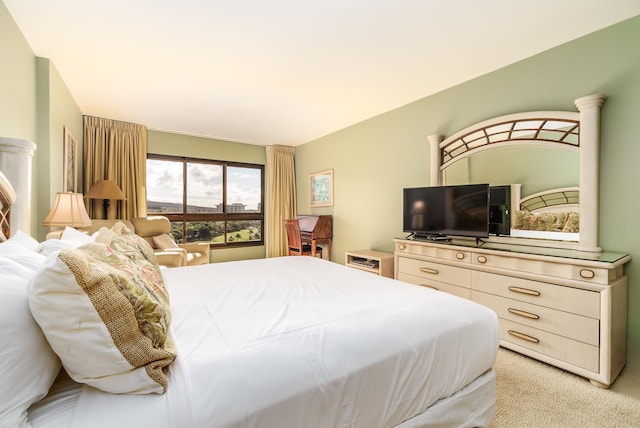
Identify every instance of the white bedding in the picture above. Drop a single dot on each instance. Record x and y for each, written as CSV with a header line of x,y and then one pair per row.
x,y
300,341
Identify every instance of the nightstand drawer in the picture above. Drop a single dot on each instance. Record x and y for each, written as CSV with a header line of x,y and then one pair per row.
x,y
435,271
571,351
576,327
436,285
568,299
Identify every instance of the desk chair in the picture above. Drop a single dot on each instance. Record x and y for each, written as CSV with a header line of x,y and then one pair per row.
x,y
294,239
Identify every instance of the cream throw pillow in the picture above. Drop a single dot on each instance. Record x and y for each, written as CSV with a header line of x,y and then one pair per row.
x,y
115,293
164,241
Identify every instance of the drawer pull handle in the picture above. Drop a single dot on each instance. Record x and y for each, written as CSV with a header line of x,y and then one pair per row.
x,y
523,336
587,273
524,291
429,286
401,247
524,314
428,270
482,259
459,256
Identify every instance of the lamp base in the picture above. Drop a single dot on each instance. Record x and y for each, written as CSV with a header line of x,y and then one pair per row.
x,y
105,206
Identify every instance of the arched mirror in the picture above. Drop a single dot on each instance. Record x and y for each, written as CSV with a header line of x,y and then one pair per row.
x,y
550,161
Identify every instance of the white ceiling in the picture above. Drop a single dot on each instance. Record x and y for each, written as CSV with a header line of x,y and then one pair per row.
x,y
286,71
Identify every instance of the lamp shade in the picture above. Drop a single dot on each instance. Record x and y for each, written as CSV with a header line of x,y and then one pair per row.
x,y
105,189
68,210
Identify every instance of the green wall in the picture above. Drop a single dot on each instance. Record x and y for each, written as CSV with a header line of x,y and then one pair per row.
x,y
166,143
57,110
17,81
373,160
36,105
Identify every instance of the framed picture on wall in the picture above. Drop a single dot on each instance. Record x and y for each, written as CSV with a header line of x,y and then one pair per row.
x,y
321,189
70,171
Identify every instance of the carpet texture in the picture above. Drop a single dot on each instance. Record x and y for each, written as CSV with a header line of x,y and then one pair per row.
x,y
533,394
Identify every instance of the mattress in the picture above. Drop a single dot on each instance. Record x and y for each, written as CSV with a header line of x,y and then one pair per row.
x,y
301,341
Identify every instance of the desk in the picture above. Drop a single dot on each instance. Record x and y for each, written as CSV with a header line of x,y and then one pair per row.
x,y
316,229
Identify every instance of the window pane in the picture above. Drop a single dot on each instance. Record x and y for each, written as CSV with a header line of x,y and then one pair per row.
x,y
164,186
243,230
204,188
244,193
205,231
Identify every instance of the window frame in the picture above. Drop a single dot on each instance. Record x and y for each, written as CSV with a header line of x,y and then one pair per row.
x,y
224,216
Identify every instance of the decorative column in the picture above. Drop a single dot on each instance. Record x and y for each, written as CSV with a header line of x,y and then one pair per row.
x,y
589,108
16,164
434,141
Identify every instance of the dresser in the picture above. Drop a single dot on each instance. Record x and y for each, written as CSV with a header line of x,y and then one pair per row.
x,y
564,307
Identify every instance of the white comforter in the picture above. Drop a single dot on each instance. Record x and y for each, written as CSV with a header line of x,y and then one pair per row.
x,y
299,341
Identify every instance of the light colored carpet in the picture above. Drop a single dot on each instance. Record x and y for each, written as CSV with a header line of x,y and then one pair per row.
x,y
534,394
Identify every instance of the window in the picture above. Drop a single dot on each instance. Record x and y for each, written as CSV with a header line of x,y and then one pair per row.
x,y
206,200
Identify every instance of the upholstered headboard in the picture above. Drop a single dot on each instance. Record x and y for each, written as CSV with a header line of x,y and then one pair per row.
x,y
7,198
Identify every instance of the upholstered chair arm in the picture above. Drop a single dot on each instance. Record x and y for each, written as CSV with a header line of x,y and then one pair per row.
x,y
198,252
195,247
175,257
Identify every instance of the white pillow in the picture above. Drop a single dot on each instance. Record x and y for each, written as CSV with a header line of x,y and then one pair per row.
x,y
74,235
114,289
28,365
24,241
71,238
22,249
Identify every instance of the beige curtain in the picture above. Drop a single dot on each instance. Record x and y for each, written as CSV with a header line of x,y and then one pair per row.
x,y
280,197
117,151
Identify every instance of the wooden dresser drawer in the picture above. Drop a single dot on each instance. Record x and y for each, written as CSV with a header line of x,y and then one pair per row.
x,y
435,252
435,271
463,292
540,267
576,327
571,351
568,299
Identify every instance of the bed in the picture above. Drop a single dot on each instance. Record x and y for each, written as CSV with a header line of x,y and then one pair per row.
x,y
281,342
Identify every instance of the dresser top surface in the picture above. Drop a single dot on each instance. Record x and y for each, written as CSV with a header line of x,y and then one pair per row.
x,y
472,244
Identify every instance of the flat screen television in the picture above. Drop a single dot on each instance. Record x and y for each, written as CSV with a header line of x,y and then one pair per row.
x,y
440,211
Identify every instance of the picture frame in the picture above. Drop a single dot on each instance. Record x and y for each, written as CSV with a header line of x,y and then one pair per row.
x,y
70,167
321,189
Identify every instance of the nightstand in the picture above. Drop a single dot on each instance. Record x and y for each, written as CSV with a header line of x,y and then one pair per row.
x,y
376,262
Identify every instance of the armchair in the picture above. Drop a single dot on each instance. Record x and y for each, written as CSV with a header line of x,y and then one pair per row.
x,y
156,231
167,259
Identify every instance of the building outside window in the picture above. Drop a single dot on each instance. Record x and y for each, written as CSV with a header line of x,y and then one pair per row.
x,y
206,200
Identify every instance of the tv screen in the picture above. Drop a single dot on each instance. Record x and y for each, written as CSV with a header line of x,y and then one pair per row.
x,y
461,210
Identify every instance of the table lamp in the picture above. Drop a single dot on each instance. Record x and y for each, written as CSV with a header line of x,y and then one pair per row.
x,y
107,190
68,210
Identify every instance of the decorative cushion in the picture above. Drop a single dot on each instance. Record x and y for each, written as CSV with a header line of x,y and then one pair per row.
x,y
113,289
28,365
164,241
